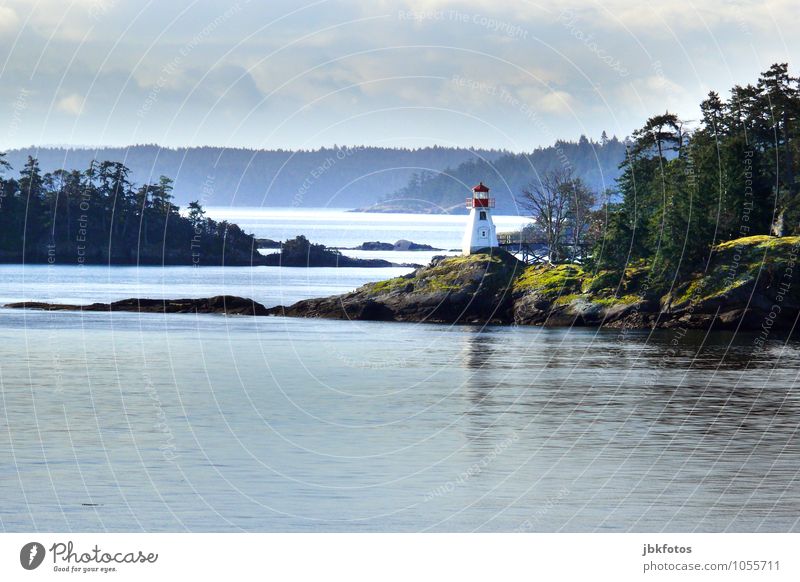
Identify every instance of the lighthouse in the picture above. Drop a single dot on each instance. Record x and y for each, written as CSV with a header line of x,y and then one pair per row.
x,y
481,232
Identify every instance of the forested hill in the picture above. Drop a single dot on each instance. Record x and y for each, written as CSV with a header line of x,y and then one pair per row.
x,y
334,177
97,216
418,180
595,163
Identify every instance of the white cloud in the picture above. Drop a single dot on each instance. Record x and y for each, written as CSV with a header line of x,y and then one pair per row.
x,y
9,21
557,102
57,19
624,58
71,104
678,16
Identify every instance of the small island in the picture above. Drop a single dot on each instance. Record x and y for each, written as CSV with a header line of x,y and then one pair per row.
x,y
300,252
400,245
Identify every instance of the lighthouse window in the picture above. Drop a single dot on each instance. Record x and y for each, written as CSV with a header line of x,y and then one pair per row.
x,y
483,215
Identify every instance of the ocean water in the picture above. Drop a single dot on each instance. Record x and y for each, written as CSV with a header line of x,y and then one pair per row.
x,y
338,228
128,422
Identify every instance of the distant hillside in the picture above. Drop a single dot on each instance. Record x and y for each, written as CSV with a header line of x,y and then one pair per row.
x,y
334,177
380,179
597,163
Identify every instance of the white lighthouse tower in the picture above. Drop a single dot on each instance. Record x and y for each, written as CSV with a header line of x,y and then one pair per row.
x,y
481,232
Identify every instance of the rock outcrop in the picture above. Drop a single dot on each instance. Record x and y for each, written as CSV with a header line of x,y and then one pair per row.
x,y
222,304
749,285
466,289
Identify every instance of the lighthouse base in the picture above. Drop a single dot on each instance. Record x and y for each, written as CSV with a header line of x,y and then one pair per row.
x,y
480,233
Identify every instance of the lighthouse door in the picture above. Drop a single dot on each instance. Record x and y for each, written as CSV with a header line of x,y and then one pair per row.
x,y
483,233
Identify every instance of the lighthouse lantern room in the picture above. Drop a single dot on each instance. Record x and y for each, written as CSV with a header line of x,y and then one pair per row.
x,y
481,232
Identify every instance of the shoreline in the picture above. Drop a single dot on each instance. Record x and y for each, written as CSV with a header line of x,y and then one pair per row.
x,y
231,305
492,287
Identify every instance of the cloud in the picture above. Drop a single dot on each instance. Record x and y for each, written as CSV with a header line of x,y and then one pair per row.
x,y
675,17
619,62
9,21
71,104
557,102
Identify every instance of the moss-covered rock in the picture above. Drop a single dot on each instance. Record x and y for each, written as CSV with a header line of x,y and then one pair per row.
x,y
746,279
550,281
749,274
469,289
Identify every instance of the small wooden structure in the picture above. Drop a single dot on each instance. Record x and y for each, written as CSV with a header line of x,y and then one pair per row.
x,y
531,252
535,252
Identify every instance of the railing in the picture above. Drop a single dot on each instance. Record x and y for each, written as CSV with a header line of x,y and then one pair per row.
x,y
480,202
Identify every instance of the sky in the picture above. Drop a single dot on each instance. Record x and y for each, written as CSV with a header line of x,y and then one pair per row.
x,y
404,73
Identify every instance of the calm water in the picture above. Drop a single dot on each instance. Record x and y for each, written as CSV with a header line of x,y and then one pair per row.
x,y
179,422
337,228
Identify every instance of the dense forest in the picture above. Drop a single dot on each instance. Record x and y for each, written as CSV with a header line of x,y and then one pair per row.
x,y
596,164
336,177
683,190
99,216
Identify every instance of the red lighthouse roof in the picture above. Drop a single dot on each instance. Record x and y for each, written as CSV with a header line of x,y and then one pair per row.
x,y
480,188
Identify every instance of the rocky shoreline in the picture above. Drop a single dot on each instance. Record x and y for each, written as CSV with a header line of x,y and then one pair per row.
x,y
220,304
748,287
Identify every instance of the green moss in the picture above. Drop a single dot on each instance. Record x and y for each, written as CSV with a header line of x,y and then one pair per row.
x,y
453,274
739,263
601,281
441,283
387,286
566,299
693,290
746,241
781,243
629,299
550,279
463,260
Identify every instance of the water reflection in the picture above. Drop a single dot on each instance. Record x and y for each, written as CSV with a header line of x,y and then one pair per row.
x,y
493,429
477,355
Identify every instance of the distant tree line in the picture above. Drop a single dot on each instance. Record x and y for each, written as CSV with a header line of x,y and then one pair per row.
x,y
100,216
336,177
420,179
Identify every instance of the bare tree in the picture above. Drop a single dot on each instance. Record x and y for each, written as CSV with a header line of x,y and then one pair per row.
x,y
548,203
561,206
580,210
